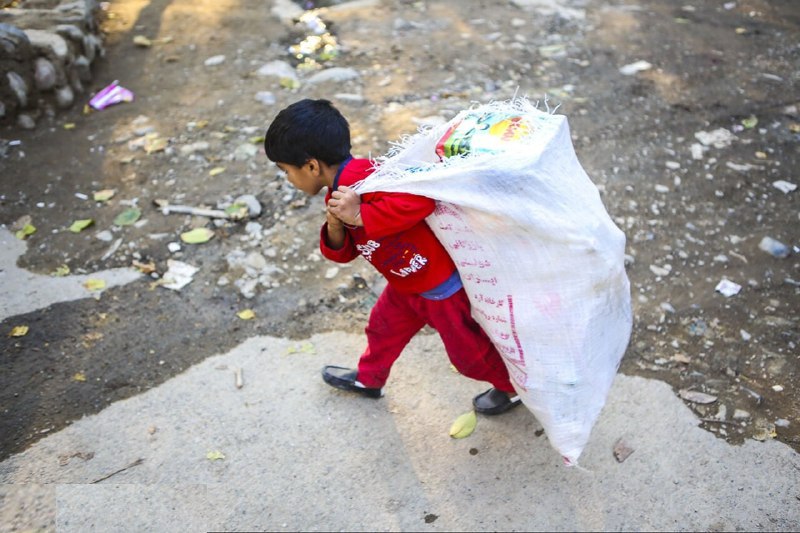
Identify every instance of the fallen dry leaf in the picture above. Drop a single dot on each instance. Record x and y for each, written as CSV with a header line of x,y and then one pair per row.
x,y
19,331
622,450
94,284
464,425
215,455
246,314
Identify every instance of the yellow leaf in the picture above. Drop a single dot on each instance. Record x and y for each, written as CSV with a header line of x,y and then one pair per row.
x,y
464,425
104,195
141,40
155,144
69,126
257,140
80,376
216,171
19,331
200,124
246,314
94,284
80,225
216,455
197,236
60,272
27,229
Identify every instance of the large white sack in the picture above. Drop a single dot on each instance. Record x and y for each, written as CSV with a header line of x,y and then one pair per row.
x,y
540,259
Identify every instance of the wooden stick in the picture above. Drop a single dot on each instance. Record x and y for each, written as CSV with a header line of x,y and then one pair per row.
x,y
137,462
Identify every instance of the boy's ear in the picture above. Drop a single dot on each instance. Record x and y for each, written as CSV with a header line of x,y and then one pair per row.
x,y
313,167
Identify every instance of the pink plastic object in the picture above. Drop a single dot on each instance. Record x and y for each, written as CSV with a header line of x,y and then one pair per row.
x,y
113,94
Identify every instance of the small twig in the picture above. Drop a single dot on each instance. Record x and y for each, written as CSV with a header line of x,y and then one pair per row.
x,y
167,208
137,462
239,381
717,421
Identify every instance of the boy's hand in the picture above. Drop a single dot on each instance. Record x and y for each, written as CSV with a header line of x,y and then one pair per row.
x,y
333,221
345,205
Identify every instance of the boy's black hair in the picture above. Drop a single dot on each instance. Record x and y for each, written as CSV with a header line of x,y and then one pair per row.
x,y
308,129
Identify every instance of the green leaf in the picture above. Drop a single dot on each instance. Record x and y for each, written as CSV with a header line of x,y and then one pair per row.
x,y
60,272
27,229
215,455
197,236
464,425
128,217
750,122
237,211
80,225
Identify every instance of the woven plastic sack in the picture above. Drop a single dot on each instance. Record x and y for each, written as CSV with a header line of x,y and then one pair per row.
x,y
541,261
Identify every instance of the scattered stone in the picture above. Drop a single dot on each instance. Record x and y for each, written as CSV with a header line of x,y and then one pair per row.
x,y
19,87
782,423
333,74
105,236
265,97
65,97
50,44
696,396
331,273
741,414
44,74
174,247
633,68
277,69
214,61
252,203
660,271
200,146
719,138
245,152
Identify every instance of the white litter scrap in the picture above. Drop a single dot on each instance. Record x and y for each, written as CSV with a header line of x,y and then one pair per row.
x,y
633,68
541,261
728,288
178,275
784,186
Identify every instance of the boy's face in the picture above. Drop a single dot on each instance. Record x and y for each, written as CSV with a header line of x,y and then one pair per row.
x,y
307,178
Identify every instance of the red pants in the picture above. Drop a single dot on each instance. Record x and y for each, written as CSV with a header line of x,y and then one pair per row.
x,y
397,317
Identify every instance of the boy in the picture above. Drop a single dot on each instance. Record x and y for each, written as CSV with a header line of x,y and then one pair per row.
x,y
310,141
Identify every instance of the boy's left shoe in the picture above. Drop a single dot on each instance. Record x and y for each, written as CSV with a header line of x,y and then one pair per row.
x,y
495,402
347,379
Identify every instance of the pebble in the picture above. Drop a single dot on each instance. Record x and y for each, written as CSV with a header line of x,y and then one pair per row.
x,y
174,247
331,273
633,68
333,74
660,271
718,138
784,186
278,69
214,61
782,423
741,414
105,236
252,203
265,97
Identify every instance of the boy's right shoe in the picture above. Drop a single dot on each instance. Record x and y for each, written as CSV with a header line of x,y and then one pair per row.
x,y
495,402
345,379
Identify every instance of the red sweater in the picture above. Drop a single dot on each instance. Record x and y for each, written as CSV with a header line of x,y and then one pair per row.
x,y
395,237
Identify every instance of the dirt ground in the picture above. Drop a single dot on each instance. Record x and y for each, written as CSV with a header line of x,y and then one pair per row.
x,y
694,207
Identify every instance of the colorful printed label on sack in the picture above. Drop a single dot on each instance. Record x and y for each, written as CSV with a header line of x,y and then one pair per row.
x,y
489,132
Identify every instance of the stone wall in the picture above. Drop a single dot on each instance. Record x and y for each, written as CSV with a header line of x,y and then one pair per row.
x,y
47,48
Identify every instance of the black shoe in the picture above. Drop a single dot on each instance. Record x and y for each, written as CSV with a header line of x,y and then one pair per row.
x,y
345,379
494,402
